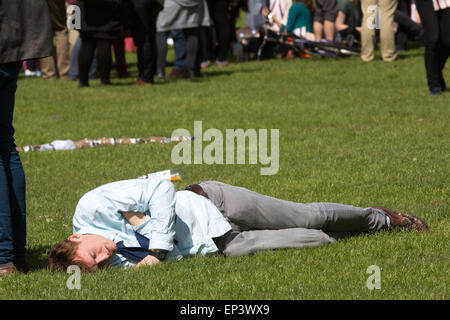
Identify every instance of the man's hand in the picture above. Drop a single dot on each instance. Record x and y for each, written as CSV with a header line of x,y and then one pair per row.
x,y
148,261
134,218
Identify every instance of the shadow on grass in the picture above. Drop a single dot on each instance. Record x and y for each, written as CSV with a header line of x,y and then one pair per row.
x,y
37,257
405,55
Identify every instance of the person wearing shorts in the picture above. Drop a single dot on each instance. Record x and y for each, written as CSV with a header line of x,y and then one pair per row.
x,y
324,19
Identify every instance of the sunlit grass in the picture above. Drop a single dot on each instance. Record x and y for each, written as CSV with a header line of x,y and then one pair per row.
x,y
354,133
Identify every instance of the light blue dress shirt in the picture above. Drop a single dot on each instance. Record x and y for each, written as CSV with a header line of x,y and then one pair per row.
x,y
182,222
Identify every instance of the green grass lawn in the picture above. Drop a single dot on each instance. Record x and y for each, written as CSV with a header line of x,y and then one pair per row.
x,y
350,132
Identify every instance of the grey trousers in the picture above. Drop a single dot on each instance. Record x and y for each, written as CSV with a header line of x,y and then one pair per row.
x,y
260,222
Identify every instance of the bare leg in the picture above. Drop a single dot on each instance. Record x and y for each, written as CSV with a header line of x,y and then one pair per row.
x,y
318,30
329,30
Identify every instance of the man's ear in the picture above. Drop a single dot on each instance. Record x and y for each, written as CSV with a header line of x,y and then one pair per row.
x,y
75,237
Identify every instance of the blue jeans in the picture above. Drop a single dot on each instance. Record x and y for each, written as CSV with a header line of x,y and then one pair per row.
x,y
179,44
12,177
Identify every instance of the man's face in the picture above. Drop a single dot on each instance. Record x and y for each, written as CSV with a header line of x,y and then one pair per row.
x,y
94,250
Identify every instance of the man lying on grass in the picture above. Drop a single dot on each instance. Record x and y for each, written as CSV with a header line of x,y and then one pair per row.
x,y
140,222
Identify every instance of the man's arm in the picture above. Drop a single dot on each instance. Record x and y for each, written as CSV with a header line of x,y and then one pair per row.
x,y
136,219
153,197
161,226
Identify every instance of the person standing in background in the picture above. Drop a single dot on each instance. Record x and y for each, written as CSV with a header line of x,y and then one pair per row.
x,y
435,16
25,33
219,11
189,16
387,10
143,26
61,32
324,19
101,24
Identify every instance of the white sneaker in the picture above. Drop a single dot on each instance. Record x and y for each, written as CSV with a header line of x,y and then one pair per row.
x,y
29,73
36,73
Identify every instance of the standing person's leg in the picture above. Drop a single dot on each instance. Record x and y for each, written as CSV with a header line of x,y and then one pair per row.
x,y
59,14
433,56
223,30
318,20
119,54
192,41
62,52
104,60
140,60
444,24
85,56
73,70
328,29
330,14
368,32
151,39
48,68
209,47
12,177
161,45
202,56
145,28
387,35
137,29
401,14
179,44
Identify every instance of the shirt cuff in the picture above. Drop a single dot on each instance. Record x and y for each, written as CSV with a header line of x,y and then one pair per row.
x,y
161,241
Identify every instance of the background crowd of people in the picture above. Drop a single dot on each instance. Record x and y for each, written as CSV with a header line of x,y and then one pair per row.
x,y
205,32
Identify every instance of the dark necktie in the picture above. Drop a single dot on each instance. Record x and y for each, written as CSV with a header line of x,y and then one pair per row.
x,y
135,253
